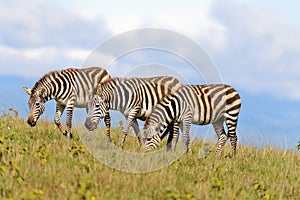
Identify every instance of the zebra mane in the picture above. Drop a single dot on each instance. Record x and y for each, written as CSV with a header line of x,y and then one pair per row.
x,y
39,84
46,79
115,80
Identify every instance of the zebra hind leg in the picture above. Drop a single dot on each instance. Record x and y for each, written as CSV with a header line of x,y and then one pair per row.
x,y
231,125
221,143
222,137
233,142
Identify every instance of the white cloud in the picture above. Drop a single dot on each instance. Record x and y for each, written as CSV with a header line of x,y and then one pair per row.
x,y
262,52
198,25
37,36
33,62
254,48
36,23
125,22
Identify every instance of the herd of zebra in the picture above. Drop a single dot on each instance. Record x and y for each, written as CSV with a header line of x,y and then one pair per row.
x,y
162,102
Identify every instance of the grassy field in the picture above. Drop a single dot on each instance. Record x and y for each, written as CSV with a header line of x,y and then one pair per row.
x,y
40,163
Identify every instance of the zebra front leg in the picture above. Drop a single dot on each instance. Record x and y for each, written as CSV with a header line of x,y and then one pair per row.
x,y
136,130
69,109
107,124
186,124
59,110
175,135
125,132
170,138
131,117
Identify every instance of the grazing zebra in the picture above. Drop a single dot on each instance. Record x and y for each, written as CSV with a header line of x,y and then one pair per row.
x,y
134,98
197,104
69,87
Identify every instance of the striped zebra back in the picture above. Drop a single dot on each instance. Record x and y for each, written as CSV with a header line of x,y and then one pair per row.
x,y
206,102
212,101
72,82
123,94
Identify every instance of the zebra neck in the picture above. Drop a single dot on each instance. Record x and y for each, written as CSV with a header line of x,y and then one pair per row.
x,y
48,95
166,112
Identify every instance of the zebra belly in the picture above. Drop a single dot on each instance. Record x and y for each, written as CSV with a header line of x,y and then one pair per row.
x,y
200,122
80,103
77,104
199,119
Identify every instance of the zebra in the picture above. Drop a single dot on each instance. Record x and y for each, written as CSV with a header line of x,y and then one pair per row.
x,y
134,98
70,88
198,104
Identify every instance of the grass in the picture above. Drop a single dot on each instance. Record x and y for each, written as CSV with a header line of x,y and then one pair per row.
x,y
40,163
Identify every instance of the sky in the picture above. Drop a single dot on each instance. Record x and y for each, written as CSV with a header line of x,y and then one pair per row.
x,y
254,44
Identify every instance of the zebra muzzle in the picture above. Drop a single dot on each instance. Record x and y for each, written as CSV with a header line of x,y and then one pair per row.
x,y
89,124
31,122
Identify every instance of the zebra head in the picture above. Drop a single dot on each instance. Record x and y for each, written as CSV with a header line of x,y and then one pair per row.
x,y
96,110
150,137
36,104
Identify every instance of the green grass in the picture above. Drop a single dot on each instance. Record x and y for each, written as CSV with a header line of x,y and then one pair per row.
x,y
40,163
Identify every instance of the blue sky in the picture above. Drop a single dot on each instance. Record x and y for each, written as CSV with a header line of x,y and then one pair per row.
x,y
254,44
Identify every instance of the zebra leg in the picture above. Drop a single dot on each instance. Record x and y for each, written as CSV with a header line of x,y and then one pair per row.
x,y
59,110
231,126
170,128
107,124
131,117
69,108
222,137
175,134
136,130
186,124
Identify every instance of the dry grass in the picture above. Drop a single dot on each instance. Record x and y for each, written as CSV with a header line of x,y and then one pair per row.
x,y
40,163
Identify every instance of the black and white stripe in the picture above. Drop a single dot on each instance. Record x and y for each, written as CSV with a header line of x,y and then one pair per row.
x,y
69,88
195,104
134,97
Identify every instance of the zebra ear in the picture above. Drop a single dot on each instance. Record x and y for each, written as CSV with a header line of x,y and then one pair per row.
x,y
99,89
27,90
